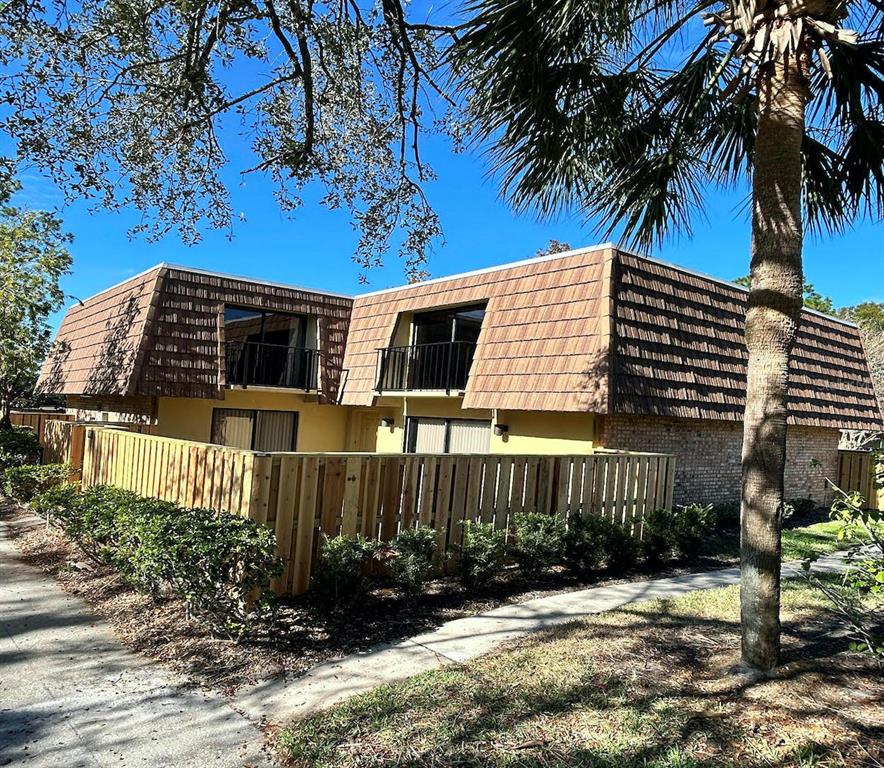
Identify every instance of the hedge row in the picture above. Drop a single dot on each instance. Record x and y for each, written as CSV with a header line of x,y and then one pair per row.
x,y
18,446
220,564
539,542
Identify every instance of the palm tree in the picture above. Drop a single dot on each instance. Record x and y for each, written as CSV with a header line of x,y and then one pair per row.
x,y
629,110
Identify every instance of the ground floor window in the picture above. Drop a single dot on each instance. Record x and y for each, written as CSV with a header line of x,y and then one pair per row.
x,y
255,430
427,435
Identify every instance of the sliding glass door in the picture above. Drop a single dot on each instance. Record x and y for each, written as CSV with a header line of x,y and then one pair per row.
x,y
267,431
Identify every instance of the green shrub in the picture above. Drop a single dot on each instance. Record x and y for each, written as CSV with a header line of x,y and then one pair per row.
x,y
340,575
802,507
216,562
592,540
621,549
693,523
412,562
857,596
539,541
727,515
24,482
55,501
482,553
658,535
18,446
676,532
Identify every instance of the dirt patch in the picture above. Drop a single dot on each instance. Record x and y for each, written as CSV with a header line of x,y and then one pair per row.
x,y
305,634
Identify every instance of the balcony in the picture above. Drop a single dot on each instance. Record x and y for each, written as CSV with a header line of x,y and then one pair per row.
x,y
441,366
271,365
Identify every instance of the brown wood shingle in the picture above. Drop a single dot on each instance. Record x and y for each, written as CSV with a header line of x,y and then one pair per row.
x,y
161,334
597,330
679,350
542,344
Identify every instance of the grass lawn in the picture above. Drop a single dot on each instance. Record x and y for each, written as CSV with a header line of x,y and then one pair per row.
x,y
643,686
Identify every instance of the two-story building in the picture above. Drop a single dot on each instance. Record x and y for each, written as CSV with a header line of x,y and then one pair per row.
x,y
569,353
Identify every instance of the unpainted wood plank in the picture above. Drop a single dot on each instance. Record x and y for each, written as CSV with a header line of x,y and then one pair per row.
x,y
504,492
670,482
429,490
474,487
575,486
562,494
392,494
332,495
662,474
622,478
307,501
490,470
610,497
442,516
247,481
286,509
372,497
517,493
353,475
412,476
651,494
237,474
259,494
459,509
199,488
529,502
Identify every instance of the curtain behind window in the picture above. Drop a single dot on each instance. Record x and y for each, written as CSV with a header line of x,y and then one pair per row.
x,y
232,427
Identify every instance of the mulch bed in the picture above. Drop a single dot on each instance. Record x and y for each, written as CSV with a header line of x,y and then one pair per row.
x,y
305,633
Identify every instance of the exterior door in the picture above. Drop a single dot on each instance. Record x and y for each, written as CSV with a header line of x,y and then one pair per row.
x,y
469,436
275,431
426,435
267,431
232,427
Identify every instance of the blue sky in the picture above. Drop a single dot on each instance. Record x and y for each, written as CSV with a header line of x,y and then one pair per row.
x,y
313,248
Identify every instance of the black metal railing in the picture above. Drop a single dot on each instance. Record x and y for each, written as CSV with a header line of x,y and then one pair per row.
x,y
271,365
439,366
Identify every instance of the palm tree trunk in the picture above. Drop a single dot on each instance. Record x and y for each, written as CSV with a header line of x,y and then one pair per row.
x,y
771,325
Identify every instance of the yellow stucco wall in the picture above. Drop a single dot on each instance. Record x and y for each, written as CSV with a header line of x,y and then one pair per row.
x,y
320,427
533,432
335,428
530,432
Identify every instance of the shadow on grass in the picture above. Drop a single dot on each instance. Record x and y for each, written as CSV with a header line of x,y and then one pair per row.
x,y
637,688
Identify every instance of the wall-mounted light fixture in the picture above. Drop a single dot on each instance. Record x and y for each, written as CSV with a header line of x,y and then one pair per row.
x,y
388,421
501,429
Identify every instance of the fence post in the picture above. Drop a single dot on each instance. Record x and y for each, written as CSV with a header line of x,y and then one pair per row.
x,y
77,448
88,457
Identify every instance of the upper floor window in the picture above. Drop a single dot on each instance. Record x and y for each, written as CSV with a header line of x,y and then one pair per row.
x,y
271,349
455,324
439,357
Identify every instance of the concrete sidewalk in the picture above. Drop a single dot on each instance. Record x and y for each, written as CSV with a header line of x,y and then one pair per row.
x,y
72,696
281,699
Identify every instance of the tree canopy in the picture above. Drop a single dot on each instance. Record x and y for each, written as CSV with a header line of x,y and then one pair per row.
x,y
628,111
33,258
134,104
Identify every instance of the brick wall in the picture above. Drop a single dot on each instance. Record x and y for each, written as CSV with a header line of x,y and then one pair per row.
x,y
708,455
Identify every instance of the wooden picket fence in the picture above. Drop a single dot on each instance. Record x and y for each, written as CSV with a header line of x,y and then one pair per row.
x,y
188,473
64,442
37,420
303,496
862,471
